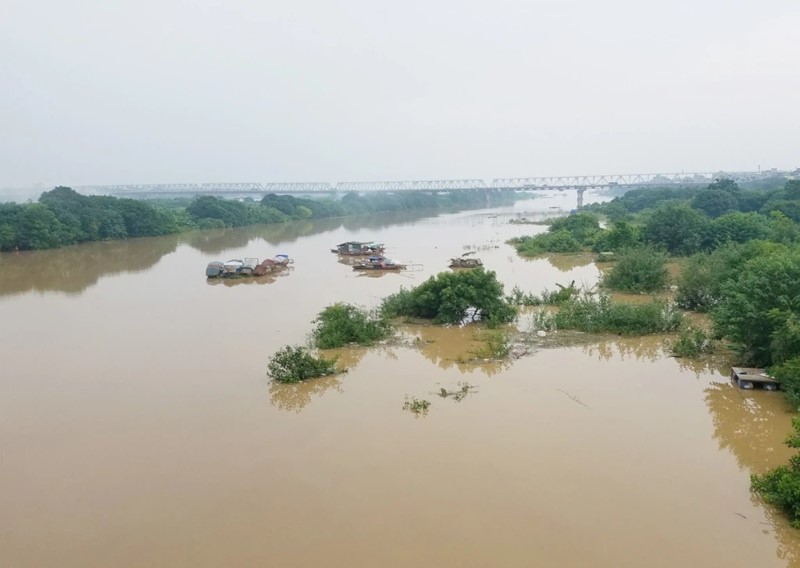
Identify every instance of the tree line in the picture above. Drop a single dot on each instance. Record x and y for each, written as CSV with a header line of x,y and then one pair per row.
x,y
64,217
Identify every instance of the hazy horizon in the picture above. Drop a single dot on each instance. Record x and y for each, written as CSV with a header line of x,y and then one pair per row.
x,y
159,92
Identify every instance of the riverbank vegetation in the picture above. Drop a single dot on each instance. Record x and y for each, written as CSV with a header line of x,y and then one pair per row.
x,y
63,217
740,257
603,315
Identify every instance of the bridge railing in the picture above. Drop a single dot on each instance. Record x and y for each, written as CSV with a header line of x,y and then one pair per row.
x,y
520,183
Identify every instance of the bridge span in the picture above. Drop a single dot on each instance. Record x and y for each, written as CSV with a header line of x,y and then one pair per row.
x,y
578,183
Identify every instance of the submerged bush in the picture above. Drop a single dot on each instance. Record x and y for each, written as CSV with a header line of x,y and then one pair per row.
x,y
692,341
781,486
496,345
603,315
638,270
340,324
558,241
451,297
547,297
294,364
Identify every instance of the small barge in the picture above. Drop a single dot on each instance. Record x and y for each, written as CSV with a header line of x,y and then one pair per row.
x,y
749,378
378,263
250,266
359,248
465,261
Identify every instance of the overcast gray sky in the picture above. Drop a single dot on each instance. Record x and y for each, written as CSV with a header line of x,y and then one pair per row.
x,y
117,91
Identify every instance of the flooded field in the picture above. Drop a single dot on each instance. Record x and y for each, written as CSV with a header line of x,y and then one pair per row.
x,y
138,427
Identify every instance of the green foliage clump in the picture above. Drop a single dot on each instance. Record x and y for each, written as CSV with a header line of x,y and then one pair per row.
x,y
559,241
294,364
788,373
761,308
547,297
340,324
416,405
449,298
692,342
621,236
604,315
715,202
738,227
677,228
582,226
565,234
702,277
496,345
781,486
638,270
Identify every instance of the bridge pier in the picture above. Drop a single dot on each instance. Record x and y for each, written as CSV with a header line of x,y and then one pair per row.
x,y
581,190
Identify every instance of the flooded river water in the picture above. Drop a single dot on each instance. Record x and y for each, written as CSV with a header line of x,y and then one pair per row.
x,y
138,427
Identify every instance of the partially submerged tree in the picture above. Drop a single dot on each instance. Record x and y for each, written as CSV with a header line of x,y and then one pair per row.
x,y
293,364
340,324
452,297
639,269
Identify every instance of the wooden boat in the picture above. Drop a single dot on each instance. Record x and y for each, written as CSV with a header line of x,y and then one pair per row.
x,y
232,267
250,266
465,261
214,269
378,263
359,248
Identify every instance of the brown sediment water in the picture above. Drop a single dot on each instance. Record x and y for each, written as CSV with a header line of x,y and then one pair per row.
x,y
138,427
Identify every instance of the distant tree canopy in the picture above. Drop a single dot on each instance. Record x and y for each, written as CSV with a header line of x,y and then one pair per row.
x,y
64,217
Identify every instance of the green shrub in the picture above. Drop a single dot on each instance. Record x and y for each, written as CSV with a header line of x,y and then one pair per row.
x,y
581,226
781,486
547,297
638,270
294,364
451,297
691,342
560,241
340,324
788,374
621,236
496,345
584,313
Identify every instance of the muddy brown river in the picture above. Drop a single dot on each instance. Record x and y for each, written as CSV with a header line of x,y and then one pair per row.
x,y
138,427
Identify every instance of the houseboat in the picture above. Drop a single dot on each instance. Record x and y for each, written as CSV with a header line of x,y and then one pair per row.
x,y
378,263
749,378
250,266
465,261
359,248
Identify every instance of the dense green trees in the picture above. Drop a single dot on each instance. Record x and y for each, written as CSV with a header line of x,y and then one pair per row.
x,y
677,228
63,216
640,269
761,307
448,297
341,324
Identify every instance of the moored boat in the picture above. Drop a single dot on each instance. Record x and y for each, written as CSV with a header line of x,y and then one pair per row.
x,y
359,248
214,269
378,263
250,266
465,261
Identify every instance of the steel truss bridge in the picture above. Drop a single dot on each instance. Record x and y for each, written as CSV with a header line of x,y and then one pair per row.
x,y
579,183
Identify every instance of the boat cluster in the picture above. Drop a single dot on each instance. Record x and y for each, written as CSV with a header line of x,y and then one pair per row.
x,y
377,261
250,266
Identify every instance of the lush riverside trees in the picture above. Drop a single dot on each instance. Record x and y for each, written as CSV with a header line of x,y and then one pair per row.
x,y
64,217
